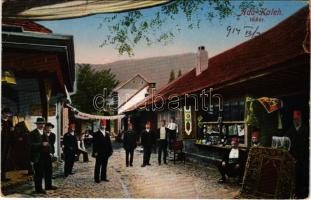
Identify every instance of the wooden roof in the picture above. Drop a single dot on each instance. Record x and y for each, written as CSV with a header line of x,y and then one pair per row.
x,y
38,53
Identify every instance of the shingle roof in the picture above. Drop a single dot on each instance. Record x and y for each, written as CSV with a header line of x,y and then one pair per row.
x,y
280,43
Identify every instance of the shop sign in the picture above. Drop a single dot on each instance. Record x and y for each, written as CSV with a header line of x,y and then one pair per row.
x,y
187,121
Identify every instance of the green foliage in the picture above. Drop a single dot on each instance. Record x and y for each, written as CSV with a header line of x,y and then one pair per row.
x,y
89,84
179,73
126,30
172,76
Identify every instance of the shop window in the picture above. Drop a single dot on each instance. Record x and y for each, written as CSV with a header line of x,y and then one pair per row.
x,y
213,132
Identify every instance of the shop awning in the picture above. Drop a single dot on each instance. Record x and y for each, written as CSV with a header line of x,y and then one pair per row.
x,y
64,9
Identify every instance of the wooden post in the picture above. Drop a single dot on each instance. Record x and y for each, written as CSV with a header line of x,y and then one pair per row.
x,y
44,100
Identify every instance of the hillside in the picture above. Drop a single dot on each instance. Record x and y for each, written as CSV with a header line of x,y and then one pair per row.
x,y
155,69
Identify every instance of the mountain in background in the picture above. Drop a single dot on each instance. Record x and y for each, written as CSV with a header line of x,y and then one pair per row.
x,y
154,69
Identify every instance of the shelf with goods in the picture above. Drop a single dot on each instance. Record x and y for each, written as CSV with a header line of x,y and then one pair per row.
x,y
211,135
216,132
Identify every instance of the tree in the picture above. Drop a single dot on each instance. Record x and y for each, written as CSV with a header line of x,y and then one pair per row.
x,y
126,30
179,73
89,84
172,76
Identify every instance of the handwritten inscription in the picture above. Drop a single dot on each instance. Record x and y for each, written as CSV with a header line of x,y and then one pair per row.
x,y
246,31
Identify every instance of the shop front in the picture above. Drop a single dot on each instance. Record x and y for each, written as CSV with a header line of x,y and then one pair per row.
x,y
37,69
253,87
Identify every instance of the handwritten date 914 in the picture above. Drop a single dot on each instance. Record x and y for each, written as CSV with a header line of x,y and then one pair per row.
x,y
247,31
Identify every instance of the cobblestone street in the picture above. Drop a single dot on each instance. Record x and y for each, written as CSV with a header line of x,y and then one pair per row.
x,y
166,181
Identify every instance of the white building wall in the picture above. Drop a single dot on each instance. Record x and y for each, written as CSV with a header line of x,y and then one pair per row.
x,y
135,100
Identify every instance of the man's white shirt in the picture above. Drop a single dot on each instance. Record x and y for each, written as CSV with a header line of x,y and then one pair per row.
x,y
103,131
40,131
234,153
173,126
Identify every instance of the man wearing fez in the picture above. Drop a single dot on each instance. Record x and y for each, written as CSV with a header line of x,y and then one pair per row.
x,y
40,156
299,136
102,150
232,163
147,141
129,144
255,139
6,140
70,148
162,136
51,139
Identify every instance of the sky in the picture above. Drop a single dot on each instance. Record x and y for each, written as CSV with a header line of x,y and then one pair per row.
x,y
211,34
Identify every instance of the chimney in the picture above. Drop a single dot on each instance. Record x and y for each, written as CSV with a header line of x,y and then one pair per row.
x,y
202,60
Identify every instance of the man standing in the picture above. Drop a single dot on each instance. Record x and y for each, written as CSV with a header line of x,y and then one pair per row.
x,y
299,136
6,141
70,149
232,164
51,139
129,144
40,155
173,131
81,148
162,138
51,136
147,141
102,150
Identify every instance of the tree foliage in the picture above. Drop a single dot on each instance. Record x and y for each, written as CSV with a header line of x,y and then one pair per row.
x,y
179,73
89,84
172,76
126,30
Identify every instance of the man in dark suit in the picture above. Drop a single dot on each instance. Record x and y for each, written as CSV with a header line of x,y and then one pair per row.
x,y
40,155
51,136
232,163
162,136
147,141
70,149
299,137
102,150
129,144
6,141
51,139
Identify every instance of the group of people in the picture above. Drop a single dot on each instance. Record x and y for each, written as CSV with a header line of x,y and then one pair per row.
x,y
164,136
42,142
42,148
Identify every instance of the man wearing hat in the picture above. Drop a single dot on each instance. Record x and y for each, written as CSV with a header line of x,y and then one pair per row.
x,y
129,144
6,140
255,138
102,150
51,138
70,149
40,155
299,137
232,163
148,138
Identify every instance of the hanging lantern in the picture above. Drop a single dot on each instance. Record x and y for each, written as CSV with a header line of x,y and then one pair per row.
x,y
8,77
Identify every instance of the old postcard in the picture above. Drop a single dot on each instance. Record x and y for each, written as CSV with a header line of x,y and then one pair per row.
x,y
174,99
